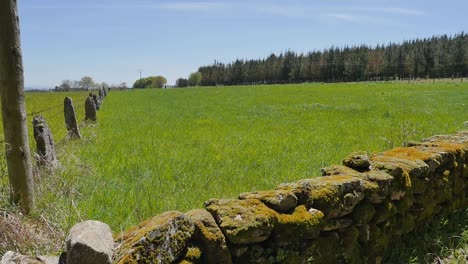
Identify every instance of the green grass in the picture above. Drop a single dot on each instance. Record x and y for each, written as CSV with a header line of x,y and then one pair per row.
x,y
158,150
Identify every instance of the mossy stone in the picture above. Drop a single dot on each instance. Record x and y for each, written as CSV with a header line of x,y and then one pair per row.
x,y
404,224
282,201
404,204
377,243
358,161
243,221
350,245
339,170
363,213
210,237
161,239
336,223
325,249
335,196
384,211
395,165
193,255
301,225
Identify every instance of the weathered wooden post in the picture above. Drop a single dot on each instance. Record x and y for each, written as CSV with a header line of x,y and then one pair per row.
x,y
17,153
45,151
96,101
90,108
70,119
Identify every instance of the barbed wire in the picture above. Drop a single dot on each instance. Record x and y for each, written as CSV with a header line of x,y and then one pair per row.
x,y
44,110
56,114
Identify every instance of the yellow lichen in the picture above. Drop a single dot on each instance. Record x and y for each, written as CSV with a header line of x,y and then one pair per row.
x,y
409,153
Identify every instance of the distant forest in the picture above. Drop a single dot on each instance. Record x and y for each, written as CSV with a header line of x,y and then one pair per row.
x,y
436,57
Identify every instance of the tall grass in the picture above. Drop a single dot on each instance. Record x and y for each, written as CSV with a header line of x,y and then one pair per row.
x,y
159,150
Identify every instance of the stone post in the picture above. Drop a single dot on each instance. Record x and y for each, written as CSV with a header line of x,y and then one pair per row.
x,y
70,119
97,103
46,155
90,108
101,94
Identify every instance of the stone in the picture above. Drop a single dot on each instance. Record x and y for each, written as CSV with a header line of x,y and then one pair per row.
x,y
192,255
384,211
210,237
11,257
301,225
161,239
282,201
51,259
358,161
45,151
89,242
90,108
339,170
97,102
70,119
337,223
363,213
243,221
335,196
101,94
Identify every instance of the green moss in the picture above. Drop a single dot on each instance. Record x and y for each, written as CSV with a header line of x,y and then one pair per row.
x,y
162,238
298,226
193,255
243,221
335,195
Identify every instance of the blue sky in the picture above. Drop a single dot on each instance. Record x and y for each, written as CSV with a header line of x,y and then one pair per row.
x,y
111,40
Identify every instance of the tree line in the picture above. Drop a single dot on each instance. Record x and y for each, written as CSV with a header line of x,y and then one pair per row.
x,y
85,84
436,57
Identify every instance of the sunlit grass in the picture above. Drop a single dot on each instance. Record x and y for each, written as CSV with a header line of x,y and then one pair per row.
x,y
158,150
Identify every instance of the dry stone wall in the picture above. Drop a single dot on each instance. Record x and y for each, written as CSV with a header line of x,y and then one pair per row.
x,y
351,214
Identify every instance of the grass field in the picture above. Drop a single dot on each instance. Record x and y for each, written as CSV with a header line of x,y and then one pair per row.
x,y
158,150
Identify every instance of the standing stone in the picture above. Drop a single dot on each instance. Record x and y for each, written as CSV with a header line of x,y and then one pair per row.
x,y
90,242
44,142
70,119
97,102
101,94
90,108
104,89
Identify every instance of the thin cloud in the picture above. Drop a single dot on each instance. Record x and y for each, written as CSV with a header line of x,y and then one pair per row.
x,y
392,10
344,17
177,6
192,6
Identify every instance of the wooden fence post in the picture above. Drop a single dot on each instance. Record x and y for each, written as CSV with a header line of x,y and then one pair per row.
x,y
90,108
45,151
70,119
17,153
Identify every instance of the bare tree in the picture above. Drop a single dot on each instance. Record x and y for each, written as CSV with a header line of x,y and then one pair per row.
x,y
86,83
66,85
17,151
